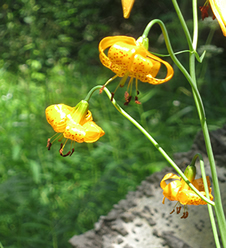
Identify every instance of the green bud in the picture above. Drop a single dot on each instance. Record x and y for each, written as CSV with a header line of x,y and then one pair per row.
x,y
190,172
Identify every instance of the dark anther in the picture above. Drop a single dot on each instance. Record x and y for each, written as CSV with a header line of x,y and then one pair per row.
x,y
185,215
49,144
136,100
64,155
172,211
61,151
204,11
126,95
112,96
178,209
138,92
72,151
127,98
128,101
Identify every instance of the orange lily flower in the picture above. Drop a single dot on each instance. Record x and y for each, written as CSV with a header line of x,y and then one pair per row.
x,y
128,57
219,10
74,123
178,190
127,6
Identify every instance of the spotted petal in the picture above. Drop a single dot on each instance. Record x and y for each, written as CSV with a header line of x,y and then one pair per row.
x,y
56,116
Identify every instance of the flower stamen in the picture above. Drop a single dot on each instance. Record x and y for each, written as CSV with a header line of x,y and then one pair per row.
x,y
62,148
49,143
128,98
72,151
178,209
172,211
185,215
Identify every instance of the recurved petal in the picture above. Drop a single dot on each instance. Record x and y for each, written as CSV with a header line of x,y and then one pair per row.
x,y
110,40
170,72
93,132
56,116
142,67
166,177
171,189
107,42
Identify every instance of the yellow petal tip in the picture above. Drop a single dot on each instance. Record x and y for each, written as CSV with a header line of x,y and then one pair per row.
x,y
127,6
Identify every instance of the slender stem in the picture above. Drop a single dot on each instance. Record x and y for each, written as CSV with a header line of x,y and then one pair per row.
x,y
198,101
183,24
218,207
157,146
210,210
195,24
175,60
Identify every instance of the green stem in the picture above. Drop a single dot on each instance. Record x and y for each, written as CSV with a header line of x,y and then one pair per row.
x,y
157,146
195,24
198,101
183,24
210,209
218,207
174,58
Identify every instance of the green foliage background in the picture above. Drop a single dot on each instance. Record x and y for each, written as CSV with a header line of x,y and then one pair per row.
x,y
48,55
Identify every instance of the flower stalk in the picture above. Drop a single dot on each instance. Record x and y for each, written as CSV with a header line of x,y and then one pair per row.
x,y
191,77
218,207
150,138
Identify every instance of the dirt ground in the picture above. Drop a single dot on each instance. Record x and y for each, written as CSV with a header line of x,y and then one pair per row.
x,y
142,221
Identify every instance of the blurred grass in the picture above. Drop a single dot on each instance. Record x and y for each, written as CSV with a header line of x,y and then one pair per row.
x,y
46,199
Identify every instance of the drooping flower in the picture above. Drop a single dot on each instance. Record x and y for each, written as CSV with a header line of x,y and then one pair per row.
x,y
128,57
219,9
127,6
74,123
178,190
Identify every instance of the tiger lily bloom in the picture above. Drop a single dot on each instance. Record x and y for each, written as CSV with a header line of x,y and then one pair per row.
x,y
128,57
178,190
74,123
127,6
219,10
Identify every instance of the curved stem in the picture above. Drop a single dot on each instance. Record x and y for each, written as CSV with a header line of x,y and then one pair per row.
x,y
175,60
157,146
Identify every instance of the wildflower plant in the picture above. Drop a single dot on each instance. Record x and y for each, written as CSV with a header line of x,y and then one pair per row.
x,y
131,60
